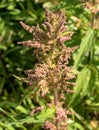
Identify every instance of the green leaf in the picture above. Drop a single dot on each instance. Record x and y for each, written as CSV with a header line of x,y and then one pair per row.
x,y
37,118
93,106
47,5
3,4
75,126
22,109
85,84
6,126
48,113
18,126
14,12
1,128
29,100
85,46
85,122
7,114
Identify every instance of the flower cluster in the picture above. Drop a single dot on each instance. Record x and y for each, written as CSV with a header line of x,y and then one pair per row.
x,y
51,74
93,8
60,121
38,109
92,5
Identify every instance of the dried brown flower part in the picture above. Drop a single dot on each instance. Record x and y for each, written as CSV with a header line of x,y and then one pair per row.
x,y
51,74
93,8
60,114
49,126
53,55
34,110
49,39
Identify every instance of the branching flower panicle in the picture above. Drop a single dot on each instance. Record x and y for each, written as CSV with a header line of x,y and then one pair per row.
x,y
51,73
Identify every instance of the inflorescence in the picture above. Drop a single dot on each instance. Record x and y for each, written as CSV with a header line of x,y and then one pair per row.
x,y
51,74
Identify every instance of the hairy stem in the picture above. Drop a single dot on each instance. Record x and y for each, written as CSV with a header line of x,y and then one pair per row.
x,y
56,103
93,16
55,97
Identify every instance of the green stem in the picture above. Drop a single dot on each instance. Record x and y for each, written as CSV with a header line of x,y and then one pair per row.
x,y
92,25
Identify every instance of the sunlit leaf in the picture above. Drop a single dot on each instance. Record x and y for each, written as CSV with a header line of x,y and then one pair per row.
x,y
85,47
86,123
22,109
1,128
37,118
75,126
85,84
6,126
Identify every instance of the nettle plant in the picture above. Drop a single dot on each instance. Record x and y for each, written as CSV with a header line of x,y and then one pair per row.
x,y
51,78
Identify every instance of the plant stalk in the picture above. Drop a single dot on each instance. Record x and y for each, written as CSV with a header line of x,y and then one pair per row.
x,y
55,97
93,16
56,103
92,25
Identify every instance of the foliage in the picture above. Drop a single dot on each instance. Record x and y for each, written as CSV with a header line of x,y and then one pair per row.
x,y
17,98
